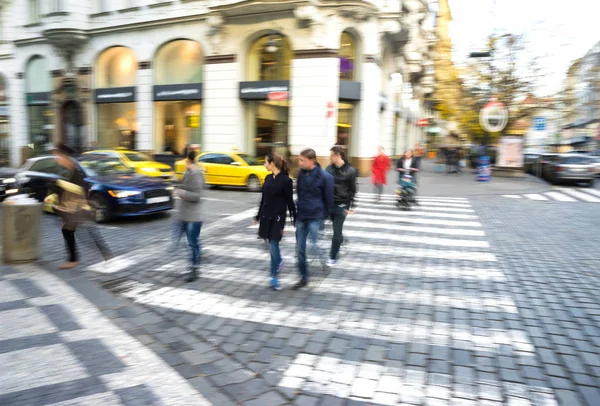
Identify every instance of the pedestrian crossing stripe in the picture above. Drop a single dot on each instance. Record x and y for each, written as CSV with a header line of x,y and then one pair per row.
x,y
562,195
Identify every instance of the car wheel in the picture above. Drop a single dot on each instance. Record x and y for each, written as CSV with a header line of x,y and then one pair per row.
x,y
101,210
253,184
590,183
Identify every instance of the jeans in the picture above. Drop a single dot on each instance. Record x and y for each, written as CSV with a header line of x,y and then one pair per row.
x,y
192,231
275,257
304,228
337,218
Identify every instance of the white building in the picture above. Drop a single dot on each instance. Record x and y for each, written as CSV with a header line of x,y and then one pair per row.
x,y
251,75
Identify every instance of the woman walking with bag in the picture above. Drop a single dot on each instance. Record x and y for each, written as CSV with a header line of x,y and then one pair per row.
x,y
277,196
191,215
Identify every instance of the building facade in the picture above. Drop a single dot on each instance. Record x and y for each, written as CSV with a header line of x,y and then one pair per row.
x,y
253,75
582,99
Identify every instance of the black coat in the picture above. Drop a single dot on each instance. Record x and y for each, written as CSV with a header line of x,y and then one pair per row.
x,y
416,164
277,195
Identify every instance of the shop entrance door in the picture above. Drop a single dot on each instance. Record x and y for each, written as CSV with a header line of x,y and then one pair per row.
x,y
71,125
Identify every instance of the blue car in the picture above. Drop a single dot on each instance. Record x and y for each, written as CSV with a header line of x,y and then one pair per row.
x,y
114,189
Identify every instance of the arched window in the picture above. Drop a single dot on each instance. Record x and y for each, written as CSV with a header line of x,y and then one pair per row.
x,y
37,76
116,116
270,58
347,55
179,62
116,67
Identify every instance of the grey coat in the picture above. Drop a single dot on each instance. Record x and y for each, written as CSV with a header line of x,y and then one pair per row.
x,y
191,208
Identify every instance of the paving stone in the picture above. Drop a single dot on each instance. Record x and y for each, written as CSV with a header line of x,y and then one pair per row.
x,y
238,376
298,339
271,398
397,352
248,390
306,401
363,388
375,353
566,397
389,384
590,395
490,392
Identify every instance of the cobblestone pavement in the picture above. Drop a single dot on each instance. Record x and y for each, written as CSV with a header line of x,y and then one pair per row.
x,y
57,349
479,301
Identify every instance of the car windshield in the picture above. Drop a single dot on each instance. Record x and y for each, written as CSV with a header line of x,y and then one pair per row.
x,y
102,167
250,160
137,157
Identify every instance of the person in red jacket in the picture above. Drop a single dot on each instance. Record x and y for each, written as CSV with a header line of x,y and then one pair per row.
x,y
379,168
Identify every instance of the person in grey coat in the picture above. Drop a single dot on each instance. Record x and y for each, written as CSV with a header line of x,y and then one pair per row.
x,y
191,214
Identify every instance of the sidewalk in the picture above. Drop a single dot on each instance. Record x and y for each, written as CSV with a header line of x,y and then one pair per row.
x,y
455,185
57,347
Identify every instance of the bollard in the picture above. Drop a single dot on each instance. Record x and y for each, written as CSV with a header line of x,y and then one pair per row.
x,y
21,217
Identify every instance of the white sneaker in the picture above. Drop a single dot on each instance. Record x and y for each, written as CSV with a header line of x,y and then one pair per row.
x,y
331,262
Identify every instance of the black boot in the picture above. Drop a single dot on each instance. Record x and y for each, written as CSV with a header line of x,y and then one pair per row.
x,y
193,275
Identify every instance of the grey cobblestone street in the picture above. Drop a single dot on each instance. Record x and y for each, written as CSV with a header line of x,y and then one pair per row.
x,y
477,300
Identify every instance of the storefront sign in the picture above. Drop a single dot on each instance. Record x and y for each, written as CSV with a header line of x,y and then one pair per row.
x,y
261,90
193,121
115,95
38,99
192,91
278,96
349,91
510,152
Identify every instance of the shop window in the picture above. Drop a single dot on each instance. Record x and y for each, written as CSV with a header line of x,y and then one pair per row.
x,y
345,123
347,55
179,62
117,125
116,67
270,58
177,124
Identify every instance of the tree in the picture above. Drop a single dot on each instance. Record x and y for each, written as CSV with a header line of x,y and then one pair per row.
x,y
508,74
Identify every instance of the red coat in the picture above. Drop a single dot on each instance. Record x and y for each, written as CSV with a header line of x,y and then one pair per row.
x,y
380,166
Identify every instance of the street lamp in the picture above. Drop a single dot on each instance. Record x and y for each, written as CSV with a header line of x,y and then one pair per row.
x,y
486,54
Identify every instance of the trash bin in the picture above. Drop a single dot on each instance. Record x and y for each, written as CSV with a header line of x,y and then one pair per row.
x,y
484,169
21,217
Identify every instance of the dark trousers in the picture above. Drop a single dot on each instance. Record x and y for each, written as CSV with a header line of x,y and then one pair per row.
x,y
338,217
69,237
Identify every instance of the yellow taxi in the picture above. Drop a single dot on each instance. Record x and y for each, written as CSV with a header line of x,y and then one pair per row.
x,y
229,169
139,162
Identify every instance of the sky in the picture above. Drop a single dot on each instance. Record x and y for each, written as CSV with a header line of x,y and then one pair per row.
x,y
558,31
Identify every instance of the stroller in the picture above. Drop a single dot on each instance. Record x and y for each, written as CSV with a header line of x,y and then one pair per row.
x,y
406,192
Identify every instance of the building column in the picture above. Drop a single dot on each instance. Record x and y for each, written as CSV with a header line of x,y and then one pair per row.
x,y
314,84
144,108
19,123
387,118
368,136
222,118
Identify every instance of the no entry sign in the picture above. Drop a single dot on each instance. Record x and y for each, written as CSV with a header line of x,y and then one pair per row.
x,y
493,116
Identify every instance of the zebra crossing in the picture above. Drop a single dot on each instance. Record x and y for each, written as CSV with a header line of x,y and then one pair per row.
x,y
561,194
400,269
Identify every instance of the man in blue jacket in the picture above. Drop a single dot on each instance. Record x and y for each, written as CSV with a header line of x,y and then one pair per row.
x,y
315,201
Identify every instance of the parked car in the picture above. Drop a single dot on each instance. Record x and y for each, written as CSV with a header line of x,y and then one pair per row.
x,y
141,163
114,189
572,168
8,185
229,169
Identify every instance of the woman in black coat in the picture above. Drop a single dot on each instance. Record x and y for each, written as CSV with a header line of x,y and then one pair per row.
x,y
276,197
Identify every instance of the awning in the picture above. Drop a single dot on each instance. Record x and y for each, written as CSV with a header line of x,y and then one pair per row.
x,y
433,130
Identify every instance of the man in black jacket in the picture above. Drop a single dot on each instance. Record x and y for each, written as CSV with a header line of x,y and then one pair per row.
x,y
344,177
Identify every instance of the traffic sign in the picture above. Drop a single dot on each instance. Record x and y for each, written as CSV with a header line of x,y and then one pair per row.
x,y
423,122
278,96
493,116
539,123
